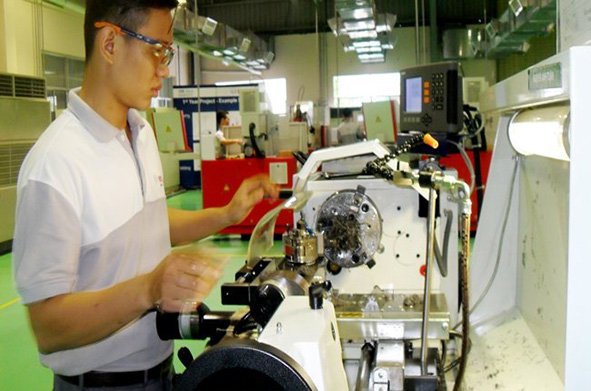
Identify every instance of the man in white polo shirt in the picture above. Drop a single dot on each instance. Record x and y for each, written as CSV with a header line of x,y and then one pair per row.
x,y
92,247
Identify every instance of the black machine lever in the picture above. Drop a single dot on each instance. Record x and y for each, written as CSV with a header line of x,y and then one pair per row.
x,y
185,356
316,293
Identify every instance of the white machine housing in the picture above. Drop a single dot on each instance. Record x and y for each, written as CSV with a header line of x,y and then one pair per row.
x,y
398,263
311,338
404,244
404,234
539,247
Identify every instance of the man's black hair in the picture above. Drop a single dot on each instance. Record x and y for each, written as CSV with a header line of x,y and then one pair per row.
x,y
347,113
219,116
130,14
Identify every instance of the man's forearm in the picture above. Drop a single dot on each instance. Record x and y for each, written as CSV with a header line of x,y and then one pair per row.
x,y
187,226
77,319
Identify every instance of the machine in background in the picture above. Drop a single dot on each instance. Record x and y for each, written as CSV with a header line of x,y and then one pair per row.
x,y
24,115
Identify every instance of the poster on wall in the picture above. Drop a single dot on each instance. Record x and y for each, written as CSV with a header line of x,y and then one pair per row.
x,y
199,105
574,23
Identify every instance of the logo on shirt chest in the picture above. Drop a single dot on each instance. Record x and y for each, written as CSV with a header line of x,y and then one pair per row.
x,y
159,180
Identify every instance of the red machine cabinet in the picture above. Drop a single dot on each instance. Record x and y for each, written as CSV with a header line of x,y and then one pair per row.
x,y
221,178
458,163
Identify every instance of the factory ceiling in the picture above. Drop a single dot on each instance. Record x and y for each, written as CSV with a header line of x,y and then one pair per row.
x,y
276,17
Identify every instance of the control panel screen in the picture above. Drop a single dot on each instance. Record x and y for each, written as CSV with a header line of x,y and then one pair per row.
x,y
413,95
431,99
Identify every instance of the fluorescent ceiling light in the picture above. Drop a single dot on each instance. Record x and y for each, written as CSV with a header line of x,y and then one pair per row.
x,y
371,60
239,57
363,13
230,51
371,56
356,13
369,49
364,44
367,24
217,53
363,34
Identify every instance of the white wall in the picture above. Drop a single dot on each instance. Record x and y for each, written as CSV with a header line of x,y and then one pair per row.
x,y
27,29
63,32
21,54
296,59
2,39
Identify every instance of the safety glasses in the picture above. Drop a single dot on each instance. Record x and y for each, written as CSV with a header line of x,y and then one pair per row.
x,y
164,52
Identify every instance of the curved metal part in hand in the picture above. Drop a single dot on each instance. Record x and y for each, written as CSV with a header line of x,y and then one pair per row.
x,y
261,239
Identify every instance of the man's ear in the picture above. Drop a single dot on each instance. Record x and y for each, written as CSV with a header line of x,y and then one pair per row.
x,y
105,41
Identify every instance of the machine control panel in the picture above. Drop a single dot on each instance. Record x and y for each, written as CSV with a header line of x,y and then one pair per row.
x,y
431,98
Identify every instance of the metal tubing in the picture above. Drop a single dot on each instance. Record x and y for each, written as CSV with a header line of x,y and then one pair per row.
x,y
417,43
465,288
428,269
367,354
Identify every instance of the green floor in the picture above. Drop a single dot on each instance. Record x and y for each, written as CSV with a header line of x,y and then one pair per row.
x,y
19,365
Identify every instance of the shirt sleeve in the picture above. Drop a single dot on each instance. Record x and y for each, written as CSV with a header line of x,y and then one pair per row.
x,y
46,246
220,135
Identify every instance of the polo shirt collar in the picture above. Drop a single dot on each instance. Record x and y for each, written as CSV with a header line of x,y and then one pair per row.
x,y
96,125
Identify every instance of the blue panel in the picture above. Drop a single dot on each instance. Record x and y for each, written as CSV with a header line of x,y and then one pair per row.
x,y
227,103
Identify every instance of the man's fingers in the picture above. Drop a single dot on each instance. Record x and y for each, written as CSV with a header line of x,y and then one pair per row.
x,y
186,289
261,181
201,261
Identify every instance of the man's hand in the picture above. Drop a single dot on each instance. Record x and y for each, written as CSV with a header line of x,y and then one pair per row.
x,y
183,278
251,192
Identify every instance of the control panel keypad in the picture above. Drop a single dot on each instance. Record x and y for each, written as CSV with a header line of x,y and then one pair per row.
x,y
437,90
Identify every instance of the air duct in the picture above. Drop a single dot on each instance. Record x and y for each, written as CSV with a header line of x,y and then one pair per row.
x,y
219,41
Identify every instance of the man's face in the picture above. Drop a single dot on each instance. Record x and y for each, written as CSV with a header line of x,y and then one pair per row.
x,y
138,71
225,121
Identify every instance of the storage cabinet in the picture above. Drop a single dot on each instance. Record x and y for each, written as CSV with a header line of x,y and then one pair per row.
x,y
221,179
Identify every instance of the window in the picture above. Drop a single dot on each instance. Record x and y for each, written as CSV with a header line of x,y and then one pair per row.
x,y
353,90
61,75
276,91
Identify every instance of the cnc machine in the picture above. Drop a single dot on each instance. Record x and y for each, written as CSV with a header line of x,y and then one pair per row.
x,y
370,284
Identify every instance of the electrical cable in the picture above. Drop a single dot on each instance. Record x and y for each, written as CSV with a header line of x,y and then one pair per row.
x,y
253,141
468,163
500,246
504,227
